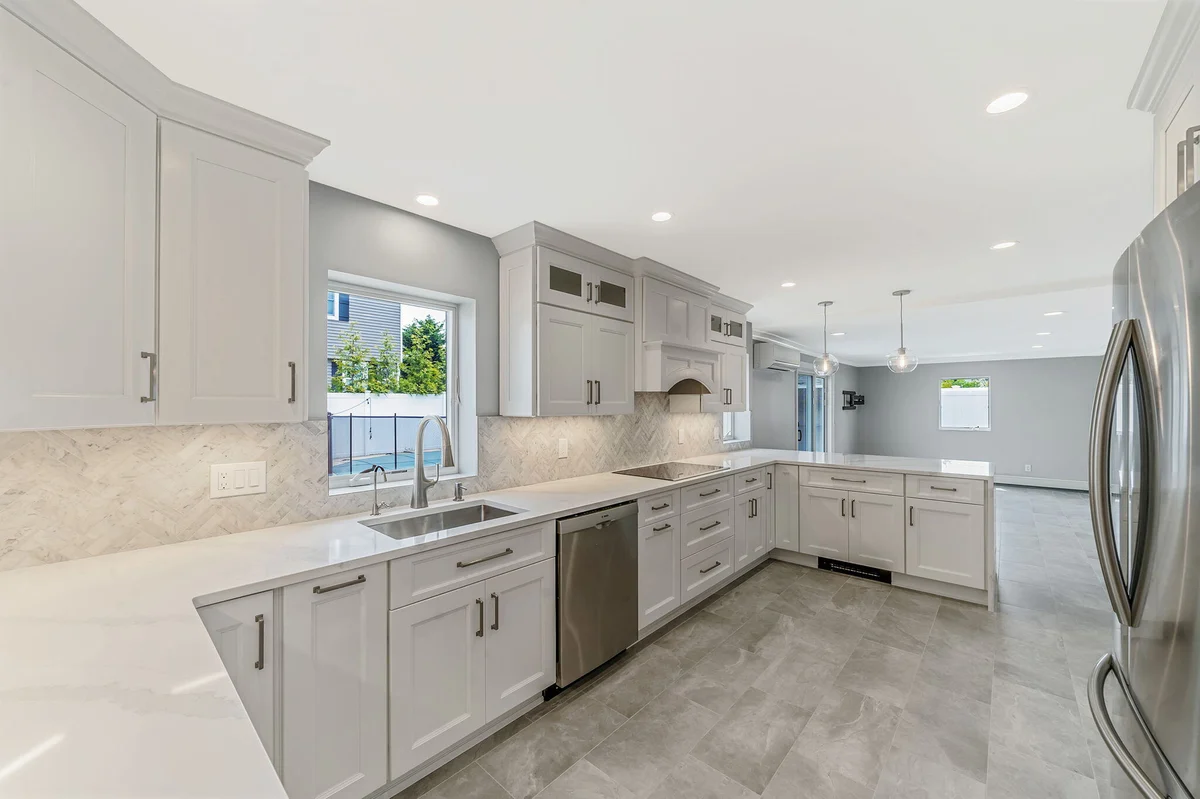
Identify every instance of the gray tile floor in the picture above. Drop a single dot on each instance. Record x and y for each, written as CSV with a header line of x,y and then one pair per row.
x,y
800,683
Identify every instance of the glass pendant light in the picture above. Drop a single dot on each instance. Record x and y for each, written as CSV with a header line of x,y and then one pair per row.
x,y
826,364
901,361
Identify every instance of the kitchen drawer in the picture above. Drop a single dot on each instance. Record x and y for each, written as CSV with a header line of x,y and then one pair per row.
x,y
427,574
707,493
658,506
749,480
947,489
852,480
705,527
705,569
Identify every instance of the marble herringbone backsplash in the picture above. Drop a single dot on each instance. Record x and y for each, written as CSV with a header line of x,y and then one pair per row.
x,y
75,493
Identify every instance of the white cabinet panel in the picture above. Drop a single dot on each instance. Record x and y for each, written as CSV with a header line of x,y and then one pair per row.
x,y
705,527
78,162
564,355
707,493
769,508
947,489
658,506
521,643
751,537
945,541
658,570
335,663
852,480
706,568
786,487
823,522
877,531
581,285
750,480
232,277
731,393
613,354
437,667
726,327
243,631
673,314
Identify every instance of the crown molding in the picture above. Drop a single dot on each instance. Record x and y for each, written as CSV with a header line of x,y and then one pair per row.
x,y
537,233
649,267
80,34
1172,38
784,341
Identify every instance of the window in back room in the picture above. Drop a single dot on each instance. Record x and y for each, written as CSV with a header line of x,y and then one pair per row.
x,y
964,403
390,363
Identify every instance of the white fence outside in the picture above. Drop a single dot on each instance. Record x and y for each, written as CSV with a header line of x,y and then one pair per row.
x,y
965,409
380,424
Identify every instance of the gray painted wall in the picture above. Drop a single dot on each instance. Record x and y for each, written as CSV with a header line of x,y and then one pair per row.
x,y
846,423
773,414
348,233
1040,414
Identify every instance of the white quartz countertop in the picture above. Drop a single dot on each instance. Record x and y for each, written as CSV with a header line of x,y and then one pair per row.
x,y
110,686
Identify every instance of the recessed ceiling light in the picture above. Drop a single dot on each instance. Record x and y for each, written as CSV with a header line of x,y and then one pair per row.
x,y
1003,245
789,284
661,216
427,199
1053,313
1006,102
1044,334
837,334
1037,346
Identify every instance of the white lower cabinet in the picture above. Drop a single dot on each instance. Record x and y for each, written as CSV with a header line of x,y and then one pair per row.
x,y
243,631
658,570
824,518
700,572
786,488
335,663
876,531
945,541
749,526
464,658
769,509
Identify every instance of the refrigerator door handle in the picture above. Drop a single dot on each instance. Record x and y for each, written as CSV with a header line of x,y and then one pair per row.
x,y
1116,746
1098,455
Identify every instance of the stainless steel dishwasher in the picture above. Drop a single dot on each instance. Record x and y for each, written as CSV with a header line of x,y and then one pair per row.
x,y
597,588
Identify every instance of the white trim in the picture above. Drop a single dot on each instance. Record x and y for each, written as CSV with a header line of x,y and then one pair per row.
x,y
775,338
337,295
70,27
648,267
1041,482
537,234
977,428
1172,38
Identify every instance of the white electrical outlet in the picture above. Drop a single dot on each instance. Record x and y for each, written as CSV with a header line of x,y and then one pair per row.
x,y
237,479
562,448
1029,467
681,435
716,433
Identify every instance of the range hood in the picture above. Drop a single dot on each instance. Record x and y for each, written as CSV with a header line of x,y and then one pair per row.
x,y
770,355
679,370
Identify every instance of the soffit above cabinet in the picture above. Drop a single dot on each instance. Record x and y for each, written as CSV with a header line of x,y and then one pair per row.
x,y
74,30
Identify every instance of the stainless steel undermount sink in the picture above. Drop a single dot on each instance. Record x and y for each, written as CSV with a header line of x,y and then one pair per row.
x,y
439,519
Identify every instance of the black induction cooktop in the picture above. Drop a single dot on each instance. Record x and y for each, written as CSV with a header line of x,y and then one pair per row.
x,y
672,470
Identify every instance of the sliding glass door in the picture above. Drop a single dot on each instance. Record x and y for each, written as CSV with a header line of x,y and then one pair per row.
x,y
810,413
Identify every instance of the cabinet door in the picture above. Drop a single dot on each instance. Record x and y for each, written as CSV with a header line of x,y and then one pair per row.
x,y
77,241
786,488
658,570
613,354
735,329
945,541
436,662
335,658
563,280
243,631
564,361
234,226
768,510
733,377
823,522
521,643
612,293
743,510
717,317
756,530
877,531
672,314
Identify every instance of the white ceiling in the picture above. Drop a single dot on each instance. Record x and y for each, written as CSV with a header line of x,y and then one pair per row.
x,y
842,145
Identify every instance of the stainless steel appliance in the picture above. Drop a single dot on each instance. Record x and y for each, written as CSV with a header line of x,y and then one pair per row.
x,y
597,588
672,470
1145,498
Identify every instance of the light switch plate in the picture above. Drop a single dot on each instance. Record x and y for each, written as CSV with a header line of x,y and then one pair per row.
x,y
562,448
681,435
237,479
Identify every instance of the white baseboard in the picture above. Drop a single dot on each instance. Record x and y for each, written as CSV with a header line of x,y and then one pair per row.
x,y
1041,482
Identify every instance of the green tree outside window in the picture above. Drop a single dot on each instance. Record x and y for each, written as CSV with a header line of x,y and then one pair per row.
x,y
350,364
965,382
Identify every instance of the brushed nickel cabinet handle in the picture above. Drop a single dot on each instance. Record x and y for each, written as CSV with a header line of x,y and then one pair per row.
x,y
843,507
941,488
261,621
479,603
770,481
292,366
589,399
317,589
660,507
710,568
153,358
496,611
751,479
589,296
910,516
710,527
852,516
462,564
710,493
660,529
597,392
846,480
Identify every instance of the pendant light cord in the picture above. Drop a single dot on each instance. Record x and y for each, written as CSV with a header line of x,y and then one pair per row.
x,y
825,335
901,321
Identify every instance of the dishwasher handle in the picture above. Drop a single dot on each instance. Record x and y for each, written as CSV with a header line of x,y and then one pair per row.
x,y
596,518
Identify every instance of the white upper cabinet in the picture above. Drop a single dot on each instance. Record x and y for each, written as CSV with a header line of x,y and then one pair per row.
x,y
726,327
613,356
731,390
77,241
232,281
585,286
673,315
564,355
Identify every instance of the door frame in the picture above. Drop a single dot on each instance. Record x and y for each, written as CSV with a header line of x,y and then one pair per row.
x,y
809,369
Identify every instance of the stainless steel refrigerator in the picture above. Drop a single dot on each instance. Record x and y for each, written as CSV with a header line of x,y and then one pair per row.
x,y
1144,475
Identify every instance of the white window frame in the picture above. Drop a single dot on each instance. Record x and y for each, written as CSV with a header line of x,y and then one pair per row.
x,y
337,299
977,429
453,400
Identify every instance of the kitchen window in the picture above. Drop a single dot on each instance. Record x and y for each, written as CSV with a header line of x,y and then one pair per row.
x,y
392,362
338,306
965,403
